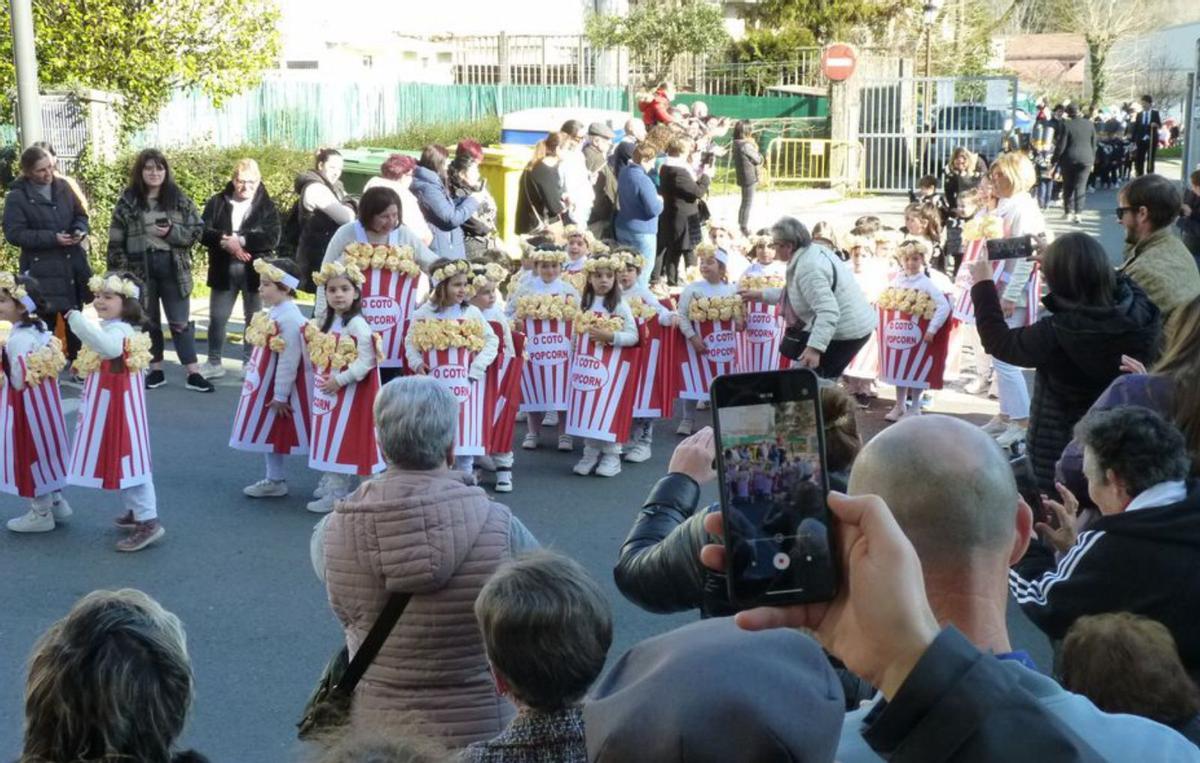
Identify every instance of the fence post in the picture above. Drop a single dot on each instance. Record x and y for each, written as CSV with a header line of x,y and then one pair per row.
x,y
545,71
579,62
502,58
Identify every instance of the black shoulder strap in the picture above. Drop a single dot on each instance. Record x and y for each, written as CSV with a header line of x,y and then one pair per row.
x,y
373,642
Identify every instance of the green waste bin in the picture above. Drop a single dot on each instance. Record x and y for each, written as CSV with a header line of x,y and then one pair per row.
x,y
501,168
362,164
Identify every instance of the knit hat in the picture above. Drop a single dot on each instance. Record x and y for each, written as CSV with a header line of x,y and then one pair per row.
x,y
710,691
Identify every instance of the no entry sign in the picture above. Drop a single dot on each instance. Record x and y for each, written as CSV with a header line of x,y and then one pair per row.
x,y
838,61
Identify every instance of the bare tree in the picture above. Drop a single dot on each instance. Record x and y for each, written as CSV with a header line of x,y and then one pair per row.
x,y
1160,79
1103,23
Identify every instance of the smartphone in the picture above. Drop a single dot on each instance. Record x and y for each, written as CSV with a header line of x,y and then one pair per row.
x,y
1015,248
773,486
1027,486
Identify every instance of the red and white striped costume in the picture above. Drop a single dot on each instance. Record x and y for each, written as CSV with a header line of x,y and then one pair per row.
x,y
343,424
657,374
112,438
272,376
504,380
547,346
905,360
34,450
719,339
758,343
602,383
463,372
873,275
1018,281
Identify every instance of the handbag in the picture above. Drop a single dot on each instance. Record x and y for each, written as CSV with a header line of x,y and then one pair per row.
x,y
328,707
795,338
556,230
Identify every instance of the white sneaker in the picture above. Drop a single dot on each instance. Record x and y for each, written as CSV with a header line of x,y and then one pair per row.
x,y
1013,434
976,386
322,489
685,427
550,419
995,426
591,457
503,481
60,509
610,465
894,414
565,443
32,522
637,453
530,442
266,489
212,371
322,505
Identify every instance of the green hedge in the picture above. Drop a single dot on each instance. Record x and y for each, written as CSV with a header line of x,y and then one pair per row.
x,y
202,171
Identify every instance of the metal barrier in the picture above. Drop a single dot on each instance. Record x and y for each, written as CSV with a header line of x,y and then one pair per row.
x,y
814,161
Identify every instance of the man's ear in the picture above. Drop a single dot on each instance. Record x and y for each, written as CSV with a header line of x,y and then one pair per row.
x,y
1024,532
1118,484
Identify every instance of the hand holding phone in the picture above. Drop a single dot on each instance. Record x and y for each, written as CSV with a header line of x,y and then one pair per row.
x,y
1014,248
695,457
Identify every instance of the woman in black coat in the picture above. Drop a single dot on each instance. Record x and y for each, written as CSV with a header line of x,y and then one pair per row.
x,y
680,226
540,196
1096,316
47,221
241,224
746,163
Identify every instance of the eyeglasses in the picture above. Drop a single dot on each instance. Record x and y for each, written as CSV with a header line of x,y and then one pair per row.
x,y
1122,210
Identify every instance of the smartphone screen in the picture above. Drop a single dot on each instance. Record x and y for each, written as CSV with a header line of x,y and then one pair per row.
x,y
771,470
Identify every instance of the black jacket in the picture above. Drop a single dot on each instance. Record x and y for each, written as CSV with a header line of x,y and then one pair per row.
x,y
1077,145
604,205
746,161
959,704
956,184
1076,352
539,198
316,227
680,224
31,223
260,229
1142,561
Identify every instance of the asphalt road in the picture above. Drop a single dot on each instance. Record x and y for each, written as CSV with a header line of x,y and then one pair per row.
x,y
237,571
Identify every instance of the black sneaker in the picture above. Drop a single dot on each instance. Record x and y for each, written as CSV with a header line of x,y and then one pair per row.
x,y
198,383
155,379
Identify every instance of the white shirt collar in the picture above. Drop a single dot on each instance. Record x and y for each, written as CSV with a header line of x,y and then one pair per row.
x,y
1162,494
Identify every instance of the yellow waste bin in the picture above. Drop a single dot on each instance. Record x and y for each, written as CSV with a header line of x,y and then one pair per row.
x,y
501,168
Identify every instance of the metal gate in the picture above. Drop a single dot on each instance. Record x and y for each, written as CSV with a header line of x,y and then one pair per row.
x,y
909,126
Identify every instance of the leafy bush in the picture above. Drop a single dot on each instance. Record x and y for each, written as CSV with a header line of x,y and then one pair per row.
x,y
416,137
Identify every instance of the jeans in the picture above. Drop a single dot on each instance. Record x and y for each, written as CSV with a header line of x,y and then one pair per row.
x,y
1075,177
1045,189
161,285
220,307
645,243
744,209
838,355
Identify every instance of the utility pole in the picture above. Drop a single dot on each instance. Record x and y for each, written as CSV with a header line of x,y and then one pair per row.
x,y
29,109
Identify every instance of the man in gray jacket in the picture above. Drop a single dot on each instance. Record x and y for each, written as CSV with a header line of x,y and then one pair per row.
x,y
822,299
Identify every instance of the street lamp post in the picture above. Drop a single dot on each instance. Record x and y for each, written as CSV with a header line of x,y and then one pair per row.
x,y
29,112
928,17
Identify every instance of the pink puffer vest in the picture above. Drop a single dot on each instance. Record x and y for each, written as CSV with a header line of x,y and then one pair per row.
x,y
429,534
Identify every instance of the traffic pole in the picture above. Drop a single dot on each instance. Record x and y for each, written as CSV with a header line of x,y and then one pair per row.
x,y
29,109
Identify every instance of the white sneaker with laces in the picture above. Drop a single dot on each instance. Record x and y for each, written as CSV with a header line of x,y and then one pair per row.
x,y
504,481
322,489
212,370
550,419
610,465
637,453
32,521
322,505
265,488
565,443
60,509
591,456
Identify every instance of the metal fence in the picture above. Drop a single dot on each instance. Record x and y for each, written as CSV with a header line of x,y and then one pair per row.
x,y
811,161
909,126
505,59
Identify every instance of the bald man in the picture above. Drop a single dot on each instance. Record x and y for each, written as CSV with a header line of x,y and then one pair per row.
x,y
635,130
952,492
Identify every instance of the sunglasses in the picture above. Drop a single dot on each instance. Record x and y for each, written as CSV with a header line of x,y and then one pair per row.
x,y
1122,210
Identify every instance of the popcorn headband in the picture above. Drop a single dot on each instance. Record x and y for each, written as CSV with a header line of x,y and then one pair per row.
x,y
549,255
492,273
615,264
116,285
8,282
272,273
632,260
758,240
338,269
445,272
708,250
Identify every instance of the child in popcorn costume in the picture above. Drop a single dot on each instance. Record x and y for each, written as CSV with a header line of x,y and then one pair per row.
x,y
450,333
708,299
645,307
604,319
272,416
504,376
545,304
112,439
35,451
914,292
580,244
344,354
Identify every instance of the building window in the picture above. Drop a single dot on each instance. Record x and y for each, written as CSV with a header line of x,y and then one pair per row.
x,y
301,65
368,62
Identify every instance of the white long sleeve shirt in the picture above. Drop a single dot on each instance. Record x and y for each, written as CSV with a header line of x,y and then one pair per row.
x,y
483,358
106,338
699,289
924,283
627,336
362,365
22,340
1021,217
291,323
642,292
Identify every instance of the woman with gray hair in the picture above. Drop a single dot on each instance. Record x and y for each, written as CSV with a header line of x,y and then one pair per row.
x,y
425,530
828,318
